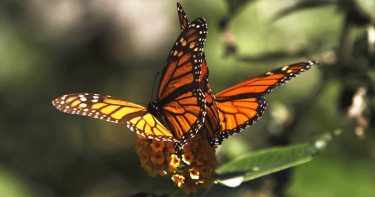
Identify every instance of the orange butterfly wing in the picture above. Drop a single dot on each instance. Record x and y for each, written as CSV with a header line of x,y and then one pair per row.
x,y
183,66
242,105
111,109
263,84
237,114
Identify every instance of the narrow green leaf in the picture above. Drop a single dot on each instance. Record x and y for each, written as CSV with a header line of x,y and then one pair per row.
x,y
265,162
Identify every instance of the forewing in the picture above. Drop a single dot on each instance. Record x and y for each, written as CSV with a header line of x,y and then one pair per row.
x,y
183,66
263,84
111,109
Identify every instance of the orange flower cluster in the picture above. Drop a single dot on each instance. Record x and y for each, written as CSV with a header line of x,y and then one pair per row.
x,y
192,166
155,156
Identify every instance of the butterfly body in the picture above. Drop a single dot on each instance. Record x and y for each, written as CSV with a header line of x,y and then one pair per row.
x,y
155,110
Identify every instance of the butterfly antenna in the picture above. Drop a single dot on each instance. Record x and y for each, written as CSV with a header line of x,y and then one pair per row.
x,y
153,87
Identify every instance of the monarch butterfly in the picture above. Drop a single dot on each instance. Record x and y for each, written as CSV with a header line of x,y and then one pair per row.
x,y
180,107
240,106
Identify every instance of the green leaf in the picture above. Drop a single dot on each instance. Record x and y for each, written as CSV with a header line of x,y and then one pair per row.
x,y
265,162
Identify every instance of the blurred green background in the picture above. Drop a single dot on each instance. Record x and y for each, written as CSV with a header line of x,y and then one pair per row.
x,y
50,48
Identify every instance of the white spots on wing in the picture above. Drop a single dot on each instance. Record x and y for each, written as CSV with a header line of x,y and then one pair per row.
x,y
83,105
